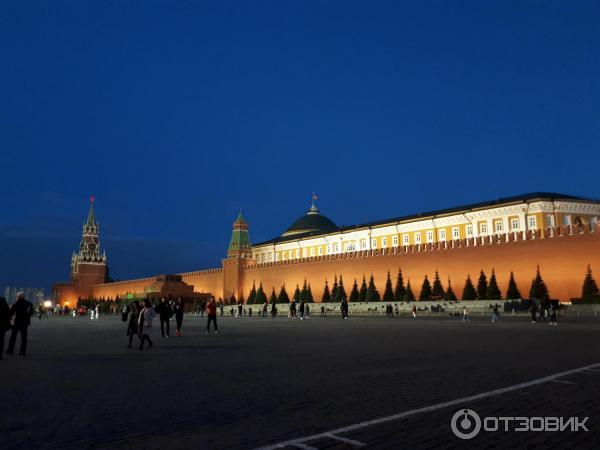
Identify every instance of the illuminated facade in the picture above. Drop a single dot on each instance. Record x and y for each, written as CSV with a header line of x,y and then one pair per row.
x,y
557,232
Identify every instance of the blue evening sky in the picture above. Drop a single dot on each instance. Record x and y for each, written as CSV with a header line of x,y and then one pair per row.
x,y
176,114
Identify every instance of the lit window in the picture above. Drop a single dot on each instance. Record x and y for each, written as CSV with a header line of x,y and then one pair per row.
x,y
395,241
430,236
455,233
270,256
320,251
277,256
405,238
373,243
514,224
335,247
384,242
442,235
418,238
350,247
283,255
483,228
498,226
469,230
532,222
567,219
304,252
312,251
298,253
363,244
328,250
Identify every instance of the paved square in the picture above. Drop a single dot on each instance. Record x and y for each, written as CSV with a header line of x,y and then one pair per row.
x,y
262,382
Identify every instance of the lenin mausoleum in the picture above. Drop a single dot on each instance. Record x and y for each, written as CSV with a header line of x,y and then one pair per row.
x,y
558,233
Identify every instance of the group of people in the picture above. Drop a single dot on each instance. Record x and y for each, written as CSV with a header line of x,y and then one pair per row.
x,y
16,318
543,313
139,318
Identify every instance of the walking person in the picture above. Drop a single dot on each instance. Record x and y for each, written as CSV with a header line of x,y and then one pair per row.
x,y
344,308
20,313
533,311
495,314
4,322
147,315
240,310
164,314
211,313
301,309
133,323
179,308
553,320
465,314
264,310
306,312
273,310
322,310
414,311
124,313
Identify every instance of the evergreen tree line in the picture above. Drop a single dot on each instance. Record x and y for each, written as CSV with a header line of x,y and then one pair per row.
x,y
486,289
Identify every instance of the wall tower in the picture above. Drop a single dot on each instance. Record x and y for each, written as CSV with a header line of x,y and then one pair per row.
x,y
239,254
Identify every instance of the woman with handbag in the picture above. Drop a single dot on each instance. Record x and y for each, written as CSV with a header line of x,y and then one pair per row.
x,y
4,322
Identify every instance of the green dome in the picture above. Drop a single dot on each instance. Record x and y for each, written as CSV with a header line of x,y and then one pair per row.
x,y
313,222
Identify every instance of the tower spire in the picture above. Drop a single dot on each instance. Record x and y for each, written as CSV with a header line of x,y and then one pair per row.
x,y
91,220
240,245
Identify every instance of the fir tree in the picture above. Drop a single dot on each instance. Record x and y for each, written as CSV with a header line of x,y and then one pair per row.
x,y
297,294
590,288
273,298
252,296
388,293
400,291
309,296
437,291
493,291
304,292
341,292
241,300
372,294
283,295
261,297
354,295
409,296
425,290
539,290
481,286
326,295
450,296
512,293
334,289
232,300
469,292
362,294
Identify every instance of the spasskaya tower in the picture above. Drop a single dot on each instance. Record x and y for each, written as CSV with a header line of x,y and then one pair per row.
x,y
88,266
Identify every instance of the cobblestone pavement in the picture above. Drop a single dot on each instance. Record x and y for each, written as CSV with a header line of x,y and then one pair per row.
x,y
262,382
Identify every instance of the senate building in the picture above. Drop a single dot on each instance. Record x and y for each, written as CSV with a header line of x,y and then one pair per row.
x,y
555,233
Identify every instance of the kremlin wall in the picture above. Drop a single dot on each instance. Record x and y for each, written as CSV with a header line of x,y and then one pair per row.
x,y
558,233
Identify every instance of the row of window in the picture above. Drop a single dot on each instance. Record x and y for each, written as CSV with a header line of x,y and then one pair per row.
x,y
351,246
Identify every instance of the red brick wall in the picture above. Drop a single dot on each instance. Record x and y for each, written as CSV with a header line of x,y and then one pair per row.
x,y
562,259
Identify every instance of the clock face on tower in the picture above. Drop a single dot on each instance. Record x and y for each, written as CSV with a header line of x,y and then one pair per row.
x,y
92,247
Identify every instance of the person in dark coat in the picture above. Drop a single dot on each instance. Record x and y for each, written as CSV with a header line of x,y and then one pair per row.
x,y
133,324
4,322
22,310
179,314
301,309
124,313
164,313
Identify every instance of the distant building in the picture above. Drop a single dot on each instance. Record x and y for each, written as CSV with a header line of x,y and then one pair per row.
x,y
34,295
512,236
